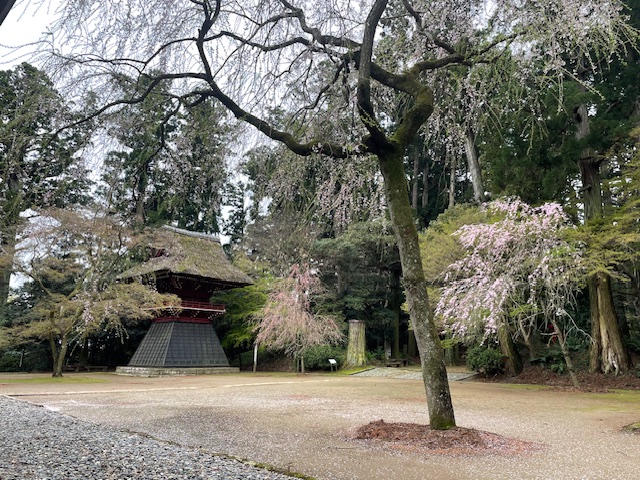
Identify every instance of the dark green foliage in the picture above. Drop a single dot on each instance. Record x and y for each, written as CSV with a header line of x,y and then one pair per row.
x,y
317,358
38,168
171,169
31,358
242,305
633,343
235,224
522,147
553,359
486,360
361,268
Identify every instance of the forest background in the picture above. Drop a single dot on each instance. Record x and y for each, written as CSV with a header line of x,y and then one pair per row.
x,y
556,151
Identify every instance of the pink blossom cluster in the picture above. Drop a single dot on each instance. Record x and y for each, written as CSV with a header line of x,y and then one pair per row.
x,y
515,268
288,323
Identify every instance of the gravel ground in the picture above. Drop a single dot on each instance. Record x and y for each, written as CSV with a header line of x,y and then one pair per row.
x,y
40,444
305,423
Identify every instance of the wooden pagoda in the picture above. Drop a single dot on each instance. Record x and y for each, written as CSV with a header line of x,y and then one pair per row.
x,y
184,341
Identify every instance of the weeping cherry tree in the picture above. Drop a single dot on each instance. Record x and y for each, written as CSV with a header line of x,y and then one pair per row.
x,y
518,273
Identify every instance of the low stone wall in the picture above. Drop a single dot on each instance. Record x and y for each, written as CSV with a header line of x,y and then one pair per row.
x,y
177,371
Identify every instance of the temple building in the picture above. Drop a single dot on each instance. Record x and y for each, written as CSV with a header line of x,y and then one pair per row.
x,y
184,341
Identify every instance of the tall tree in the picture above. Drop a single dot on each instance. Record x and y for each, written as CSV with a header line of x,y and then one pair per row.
x,y
516,270
37,169
169,165
251,56
361,269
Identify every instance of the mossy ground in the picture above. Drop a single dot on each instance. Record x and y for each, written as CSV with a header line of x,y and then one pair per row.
x,y
49,379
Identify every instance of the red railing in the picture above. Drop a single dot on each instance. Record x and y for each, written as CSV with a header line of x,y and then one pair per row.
x,y
196,305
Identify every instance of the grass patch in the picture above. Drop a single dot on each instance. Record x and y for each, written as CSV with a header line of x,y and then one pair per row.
x,y
524,386
353,371
52,380
634,427
624,396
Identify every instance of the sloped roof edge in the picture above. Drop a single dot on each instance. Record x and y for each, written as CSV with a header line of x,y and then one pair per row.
x,y
189,253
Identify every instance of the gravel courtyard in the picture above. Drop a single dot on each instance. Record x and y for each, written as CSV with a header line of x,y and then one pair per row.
x,y
303,424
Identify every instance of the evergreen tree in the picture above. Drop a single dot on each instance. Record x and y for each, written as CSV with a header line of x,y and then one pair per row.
x,y
38,168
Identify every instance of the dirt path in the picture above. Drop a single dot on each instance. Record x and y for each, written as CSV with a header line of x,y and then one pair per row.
x,y
303,423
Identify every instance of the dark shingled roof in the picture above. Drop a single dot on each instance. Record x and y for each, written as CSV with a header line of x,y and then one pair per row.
x,y
182,252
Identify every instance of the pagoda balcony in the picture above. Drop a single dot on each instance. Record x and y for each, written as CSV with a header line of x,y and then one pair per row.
x,y
193,305
203,306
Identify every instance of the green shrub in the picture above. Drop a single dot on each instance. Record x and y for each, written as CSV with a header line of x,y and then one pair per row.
x,y
317,358
485,360
377,355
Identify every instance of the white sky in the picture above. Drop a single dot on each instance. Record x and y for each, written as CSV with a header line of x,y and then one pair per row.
x,y
24,25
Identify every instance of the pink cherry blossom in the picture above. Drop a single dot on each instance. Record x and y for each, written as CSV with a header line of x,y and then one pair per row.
x,y
520,263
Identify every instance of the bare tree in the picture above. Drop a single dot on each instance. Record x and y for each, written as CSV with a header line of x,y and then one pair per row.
x,y
254,55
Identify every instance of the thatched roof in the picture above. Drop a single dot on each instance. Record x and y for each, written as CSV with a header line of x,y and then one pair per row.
x,y
185,253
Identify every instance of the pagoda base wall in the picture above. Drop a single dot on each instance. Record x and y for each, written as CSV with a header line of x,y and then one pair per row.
x,y
175,372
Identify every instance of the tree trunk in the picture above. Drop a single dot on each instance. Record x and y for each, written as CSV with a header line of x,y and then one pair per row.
x,y
414,181
452,182
9,223
608,346
395,306
508,348
356,346
412,347
434,372
562,341
425,184
59,353
474,166
255,358
6,269
608,352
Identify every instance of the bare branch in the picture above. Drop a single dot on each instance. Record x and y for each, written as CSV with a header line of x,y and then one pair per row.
x,y
364,78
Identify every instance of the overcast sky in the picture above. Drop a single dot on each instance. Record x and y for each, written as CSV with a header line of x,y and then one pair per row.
x,y
23,25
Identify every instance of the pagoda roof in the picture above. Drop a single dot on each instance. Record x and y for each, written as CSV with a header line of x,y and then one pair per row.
x,y
191,254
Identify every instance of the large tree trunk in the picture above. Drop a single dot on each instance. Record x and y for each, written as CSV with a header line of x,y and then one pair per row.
x,y
9,223
7,254
425,184
356,346
412,346
434,371
414,181
608,350
608,353
474,166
